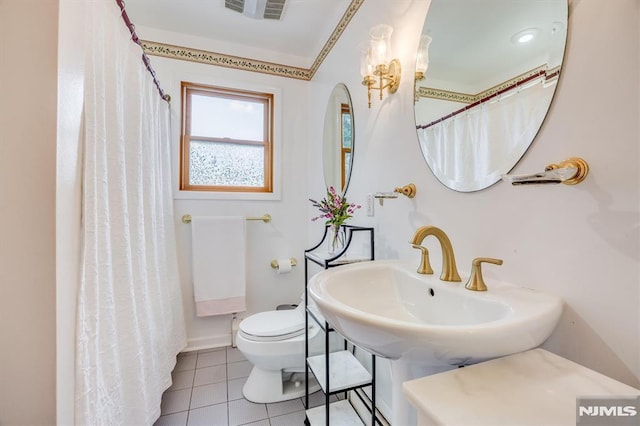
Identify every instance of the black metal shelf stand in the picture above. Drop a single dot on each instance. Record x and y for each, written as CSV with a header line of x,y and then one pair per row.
x,y
326,261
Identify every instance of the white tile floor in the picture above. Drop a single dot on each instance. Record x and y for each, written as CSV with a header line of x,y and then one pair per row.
x,y
207,390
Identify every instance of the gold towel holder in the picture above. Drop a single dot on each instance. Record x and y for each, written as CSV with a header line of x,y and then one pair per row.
x,y
571,171
581,166
407,190
266,218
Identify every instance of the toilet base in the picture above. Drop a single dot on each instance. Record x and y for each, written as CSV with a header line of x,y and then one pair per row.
x,y
266,386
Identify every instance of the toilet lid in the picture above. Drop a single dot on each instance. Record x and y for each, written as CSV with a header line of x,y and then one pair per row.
x,y
274,324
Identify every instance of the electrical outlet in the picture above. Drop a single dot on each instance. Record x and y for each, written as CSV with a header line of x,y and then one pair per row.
x,y
370,204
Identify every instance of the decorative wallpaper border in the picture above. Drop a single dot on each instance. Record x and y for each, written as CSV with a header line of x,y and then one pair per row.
x,y
222,60
229,61
445,95
467,98
335,35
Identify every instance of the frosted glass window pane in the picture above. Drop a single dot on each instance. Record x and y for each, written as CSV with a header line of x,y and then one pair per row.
x,y
226,164
347,131
217,117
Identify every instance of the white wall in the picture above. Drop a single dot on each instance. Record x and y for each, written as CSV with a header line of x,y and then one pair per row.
x,y
68,195
28,46
282,237
580,242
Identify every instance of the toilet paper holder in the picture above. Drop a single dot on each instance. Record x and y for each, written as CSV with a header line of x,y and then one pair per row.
x,y
276,265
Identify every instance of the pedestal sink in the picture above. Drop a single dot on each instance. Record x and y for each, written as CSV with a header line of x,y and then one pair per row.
x,y
425,325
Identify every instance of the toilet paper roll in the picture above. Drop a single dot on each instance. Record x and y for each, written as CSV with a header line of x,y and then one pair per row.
x,y
284,266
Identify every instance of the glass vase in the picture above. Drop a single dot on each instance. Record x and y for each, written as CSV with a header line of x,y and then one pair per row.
x,y
335,239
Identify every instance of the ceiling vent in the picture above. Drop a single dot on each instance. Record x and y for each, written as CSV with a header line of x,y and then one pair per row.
x,y
257,9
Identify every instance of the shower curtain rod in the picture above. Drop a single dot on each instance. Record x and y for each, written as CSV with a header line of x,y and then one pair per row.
x,y
539,74
145,58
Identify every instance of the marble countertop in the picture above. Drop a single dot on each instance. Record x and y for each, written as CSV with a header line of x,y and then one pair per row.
x,y
535,387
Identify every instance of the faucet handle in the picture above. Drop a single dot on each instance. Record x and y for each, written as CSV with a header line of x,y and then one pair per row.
x,y
476,282
425,265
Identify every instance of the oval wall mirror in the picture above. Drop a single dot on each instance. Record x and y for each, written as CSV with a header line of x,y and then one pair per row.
x,y
485,77
338,139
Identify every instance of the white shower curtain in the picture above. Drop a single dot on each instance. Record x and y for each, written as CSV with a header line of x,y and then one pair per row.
x,y
130,323
476,145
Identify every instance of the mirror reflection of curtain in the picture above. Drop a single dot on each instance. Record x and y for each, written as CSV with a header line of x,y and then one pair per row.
x,y
470,146
130,323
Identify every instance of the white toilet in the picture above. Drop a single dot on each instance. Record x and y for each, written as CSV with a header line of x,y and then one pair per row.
x,y
273,342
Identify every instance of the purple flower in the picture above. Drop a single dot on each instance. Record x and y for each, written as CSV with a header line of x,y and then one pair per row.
x,y
334,208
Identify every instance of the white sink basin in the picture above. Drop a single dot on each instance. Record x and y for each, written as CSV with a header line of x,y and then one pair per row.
x,y
390,310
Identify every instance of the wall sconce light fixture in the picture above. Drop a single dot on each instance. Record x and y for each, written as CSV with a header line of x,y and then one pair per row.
x,y
422,63
422,57
378,70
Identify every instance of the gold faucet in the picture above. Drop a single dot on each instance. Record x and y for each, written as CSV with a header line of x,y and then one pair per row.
x,y
476,282
449,269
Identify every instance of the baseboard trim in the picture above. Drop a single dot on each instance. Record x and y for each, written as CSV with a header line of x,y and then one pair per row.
x,y
211,342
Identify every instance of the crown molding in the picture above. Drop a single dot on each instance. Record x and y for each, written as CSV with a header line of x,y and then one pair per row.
x,y
182,53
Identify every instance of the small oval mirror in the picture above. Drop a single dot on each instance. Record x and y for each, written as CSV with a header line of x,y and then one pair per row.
x,y
485,79
338,139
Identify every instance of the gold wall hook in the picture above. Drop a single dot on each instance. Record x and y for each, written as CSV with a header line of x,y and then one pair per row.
x,y
581,166
407,190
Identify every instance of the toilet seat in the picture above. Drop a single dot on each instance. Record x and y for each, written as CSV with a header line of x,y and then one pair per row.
x,y
272,326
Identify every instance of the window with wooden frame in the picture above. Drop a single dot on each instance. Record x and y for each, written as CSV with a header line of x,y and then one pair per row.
x,y
227,140
346,145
